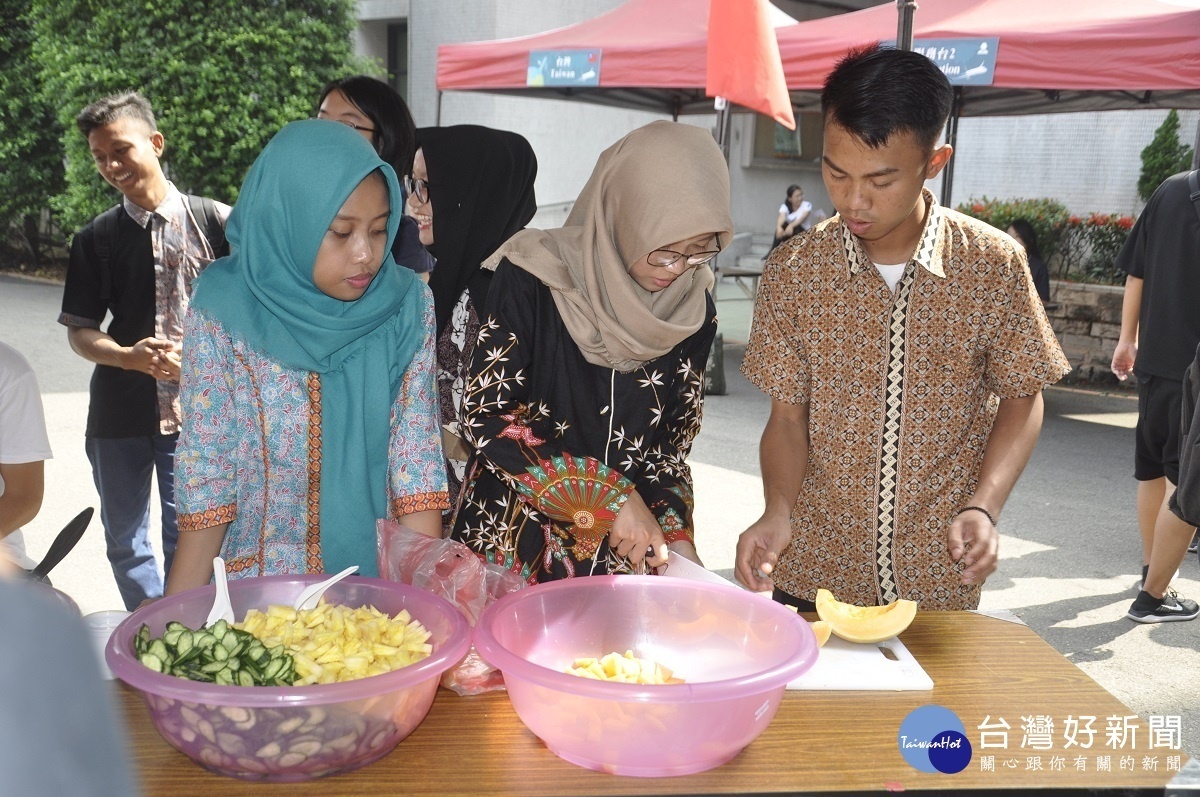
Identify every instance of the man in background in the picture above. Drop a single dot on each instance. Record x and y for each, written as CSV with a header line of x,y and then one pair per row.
x,y
1160,328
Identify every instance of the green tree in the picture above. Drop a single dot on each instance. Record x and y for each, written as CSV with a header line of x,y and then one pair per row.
x,y
30,158
223,77
1163,156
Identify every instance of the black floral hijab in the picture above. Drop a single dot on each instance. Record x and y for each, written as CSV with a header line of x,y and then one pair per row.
x,y
481,189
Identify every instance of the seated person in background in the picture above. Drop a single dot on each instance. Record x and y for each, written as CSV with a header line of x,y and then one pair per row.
x,y
1024,234
23,448
795,214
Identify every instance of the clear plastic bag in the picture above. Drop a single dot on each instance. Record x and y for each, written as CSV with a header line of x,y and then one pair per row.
x,y
452,571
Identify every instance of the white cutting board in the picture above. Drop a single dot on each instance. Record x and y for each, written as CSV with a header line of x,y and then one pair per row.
x,y
852,665
841,665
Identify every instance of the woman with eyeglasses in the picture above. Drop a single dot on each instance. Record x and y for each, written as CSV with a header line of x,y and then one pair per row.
x,y
470,189
588,377
379,114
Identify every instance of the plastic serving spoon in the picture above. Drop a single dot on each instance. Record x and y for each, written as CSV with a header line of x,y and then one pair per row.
x,y
221,608
312,595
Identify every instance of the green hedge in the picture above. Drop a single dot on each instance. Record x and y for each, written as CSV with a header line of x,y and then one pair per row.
x,y
1078,248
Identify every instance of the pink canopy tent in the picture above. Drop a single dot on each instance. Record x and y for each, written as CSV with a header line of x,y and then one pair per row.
x,y
653,58
1052,55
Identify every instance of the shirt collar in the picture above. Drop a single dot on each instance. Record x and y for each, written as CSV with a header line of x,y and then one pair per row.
x,y
164,210
927,254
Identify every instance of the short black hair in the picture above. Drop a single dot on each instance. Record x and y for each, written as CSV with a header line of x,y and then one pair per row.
x,y
106,110
875,92
395,132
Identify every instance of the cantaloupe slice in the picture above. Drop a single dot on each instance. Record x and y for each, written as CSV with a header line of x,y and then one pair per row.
x,y
864,623
822,630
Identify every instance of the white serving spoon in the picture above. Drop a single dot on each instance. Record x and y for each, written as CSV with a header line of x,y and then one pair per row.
x,y
221,608
311,595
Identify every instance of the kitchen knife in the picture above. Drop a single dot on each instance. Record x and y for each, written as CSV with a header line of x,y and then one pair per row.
x,y
681,567
63,544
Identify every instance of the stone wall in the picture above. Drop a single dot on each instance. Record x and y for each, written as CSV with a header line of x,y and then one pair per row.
x,y
1087,320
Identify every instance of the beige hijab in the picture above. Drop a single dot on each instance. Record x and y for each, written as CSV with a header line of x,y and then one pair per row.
x,y
661,184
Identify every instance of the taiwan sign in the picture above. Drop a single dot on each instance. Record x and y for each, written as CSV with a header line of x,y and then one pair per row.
x,y
563,68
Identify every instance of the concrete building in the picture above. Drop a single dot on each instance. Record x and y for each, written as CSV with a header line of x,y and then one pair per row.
x,y
1088,161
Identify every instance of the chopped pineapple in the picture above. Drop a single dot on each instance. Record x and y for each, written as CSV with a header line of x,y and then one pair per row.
x,y
336,643
623,669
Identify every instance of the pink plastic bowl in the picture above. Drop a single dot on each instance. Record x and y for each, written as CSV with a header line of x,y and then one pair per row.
x,y
291,733
735,650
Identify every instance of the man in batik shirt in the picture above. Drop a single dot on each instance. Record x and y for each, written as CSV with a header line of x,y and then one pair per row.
x,y
905,350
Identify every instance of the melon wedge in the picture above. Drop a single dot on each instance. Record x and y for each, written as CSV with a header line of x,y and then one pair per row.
x,y
864,623
822,630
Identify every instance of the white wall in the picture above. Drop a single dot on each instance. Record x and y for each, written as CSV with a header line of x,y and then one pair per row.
x,y
1088,161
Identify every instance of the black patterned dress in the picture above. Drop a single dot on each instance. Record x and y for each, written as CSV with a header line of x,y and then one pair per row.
x,y
560,443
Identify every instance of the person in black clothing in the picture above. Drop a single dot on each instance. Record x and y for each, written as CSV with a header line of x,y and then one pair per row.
x,y
379,114
587,381
1024,234
1160,330
136,261
470,189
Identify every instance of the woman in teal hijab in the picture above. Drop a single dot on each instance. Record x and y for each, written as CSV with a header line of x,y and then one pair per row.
x,y
309,403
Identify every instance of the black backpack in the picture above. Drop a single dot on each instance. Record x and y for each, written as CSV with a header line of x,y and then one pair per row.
x,y
204,210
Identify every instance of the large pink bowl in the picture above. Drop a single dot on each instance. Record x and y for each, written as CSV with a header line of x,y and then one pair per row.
x,y
735,650
291,733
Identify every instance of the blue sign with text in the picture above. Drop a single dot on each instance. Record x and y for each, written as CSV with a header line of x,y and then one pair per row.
x,y
966,62
563,68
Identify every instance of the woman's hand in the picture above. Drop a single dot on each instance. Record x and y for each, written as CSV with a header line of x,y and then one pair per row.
x,y
636,534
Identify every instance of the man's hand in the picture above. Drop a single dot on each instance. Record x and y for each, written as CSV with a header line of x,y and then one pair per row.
x,y
1124,356
635,532
145,357
758,550
973,539
166,363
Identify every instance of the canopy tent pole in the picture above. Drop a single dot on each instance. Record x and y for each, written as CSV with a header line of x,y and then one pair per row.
x,y
437,114
714,371
723,125
1196,148
904,24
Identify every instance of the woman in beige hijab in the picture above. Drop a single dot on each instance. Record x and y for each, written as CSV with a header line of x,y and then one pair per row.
x,y
588,376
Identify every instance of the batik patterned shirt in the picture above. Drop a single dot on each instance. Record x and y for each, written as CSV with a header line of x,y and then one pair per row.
x,y
250,451
902,389
181,252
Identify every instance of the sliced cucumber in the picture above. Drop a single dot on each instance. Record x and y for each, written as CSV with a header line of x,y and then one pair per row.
x,y
221,654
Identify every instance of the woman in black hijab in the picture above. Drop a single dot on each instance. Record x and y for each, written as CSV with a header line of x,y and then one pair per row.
x,y
470,190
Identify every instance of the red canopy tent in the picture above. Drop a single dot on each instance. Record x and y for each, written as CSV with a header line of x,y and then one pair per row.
x,y
1052,55
653,58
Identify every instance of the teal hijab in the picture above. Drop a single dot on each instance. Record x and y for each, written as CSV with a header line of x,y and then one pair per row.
x,y
264,292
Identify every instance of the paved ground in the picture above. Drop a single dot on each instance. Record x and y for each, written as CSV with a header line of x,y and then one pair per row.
x,y
1070,548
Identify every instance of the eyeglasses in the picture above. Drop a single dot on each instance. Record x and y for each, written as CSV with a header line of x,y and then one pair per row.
x,y
350,125
664,258
417,187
